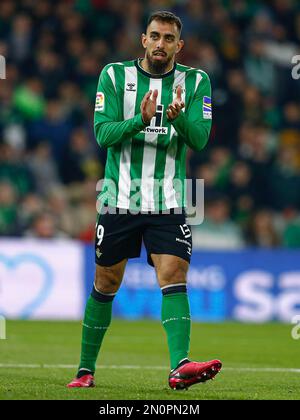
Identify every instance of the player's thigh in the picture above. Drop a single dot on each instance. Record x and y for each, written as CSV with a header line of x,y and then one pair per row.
x,y
109,279
117,239
168,242
170,269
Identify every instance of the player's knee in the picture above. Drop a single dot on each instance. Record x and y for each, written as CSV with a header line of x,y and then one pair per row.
x,y
171,275
107,280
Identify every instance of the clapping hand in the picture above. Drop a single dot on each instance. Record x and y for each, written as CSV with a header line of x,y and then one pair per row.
x,y
176,106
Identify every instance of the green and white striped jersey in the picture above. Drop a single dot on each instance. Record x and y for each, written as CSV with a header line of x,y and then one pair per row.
x,y
146,165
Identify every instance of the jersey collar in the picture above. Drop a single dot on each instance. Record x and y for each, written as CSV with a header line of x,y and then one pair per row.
x,y
153,76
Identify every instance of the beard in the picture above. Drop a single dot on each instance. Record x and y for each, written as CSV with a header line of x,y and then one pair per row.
x,y
157,67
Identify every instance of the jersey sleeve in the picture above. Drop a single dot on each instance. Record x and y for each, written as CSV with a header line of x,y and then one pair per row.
x,y
194,125
109,128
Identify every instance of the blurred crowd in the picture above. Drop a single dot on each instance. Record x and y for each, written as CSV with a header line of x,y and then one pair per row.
x,y
49,159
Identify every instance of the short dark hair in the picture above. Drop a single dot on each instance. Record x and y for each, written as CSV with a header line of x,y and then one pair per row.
x,y
164,16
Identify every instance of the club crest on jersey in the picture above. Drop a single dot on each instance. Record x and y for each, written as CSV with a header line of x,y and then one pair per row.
x,y
207,109
100,98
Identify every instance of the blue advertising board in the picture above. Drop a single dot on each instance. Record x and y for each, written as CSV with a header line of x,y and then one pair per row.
x,y
248,285
52,280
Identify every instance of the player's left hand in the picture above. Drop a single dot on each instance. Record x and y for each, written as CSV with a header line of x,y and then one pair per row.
x,y
176,106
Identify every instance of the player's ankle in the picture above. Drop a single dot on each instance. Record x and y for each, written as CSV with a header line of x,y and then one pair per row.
x,y
181,363
83,372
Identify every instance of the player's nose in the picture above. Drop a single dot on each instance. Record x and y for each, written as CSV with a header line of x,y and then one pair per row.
x,y
160,44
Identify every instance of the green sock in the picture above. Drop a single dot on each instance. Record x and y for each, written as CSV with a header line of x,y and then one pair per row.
x,y
175,315
97,319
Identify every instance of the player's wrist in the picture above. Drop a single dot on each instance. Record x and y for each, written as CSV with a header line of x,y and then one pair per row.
x,y
145,120
171,119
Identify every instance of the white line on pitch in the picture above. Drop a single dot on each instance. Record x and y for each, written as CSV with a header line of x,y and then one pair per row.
x,y
68,366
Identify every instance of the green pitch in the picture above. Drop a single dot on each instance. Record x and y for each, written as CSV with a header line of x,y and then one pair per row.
x,y
35,358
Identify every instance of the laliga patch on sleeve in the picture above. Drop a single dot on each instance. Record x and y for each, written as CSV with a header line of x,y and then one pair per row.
x,y
100,98
207,110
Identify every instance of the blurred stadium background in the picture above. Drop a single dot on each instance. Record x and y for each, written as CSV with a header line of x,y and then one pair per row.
x,y
246,263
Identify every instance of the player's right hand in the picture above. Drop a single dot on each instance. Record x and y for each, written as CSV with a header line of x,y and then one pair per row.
x,y
148,106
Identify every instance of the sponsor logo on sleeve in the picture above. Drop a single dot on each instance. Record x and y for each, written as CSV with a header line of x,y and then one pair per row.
x,y
99,106
207,110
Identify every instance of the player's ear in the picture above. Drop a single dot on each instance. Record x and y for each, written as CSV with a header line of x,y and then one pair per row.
x,y
180,45
144,40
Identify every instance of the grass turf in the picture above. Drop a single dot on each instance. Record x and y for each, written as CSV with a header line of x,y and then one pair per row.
x,y
143,344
